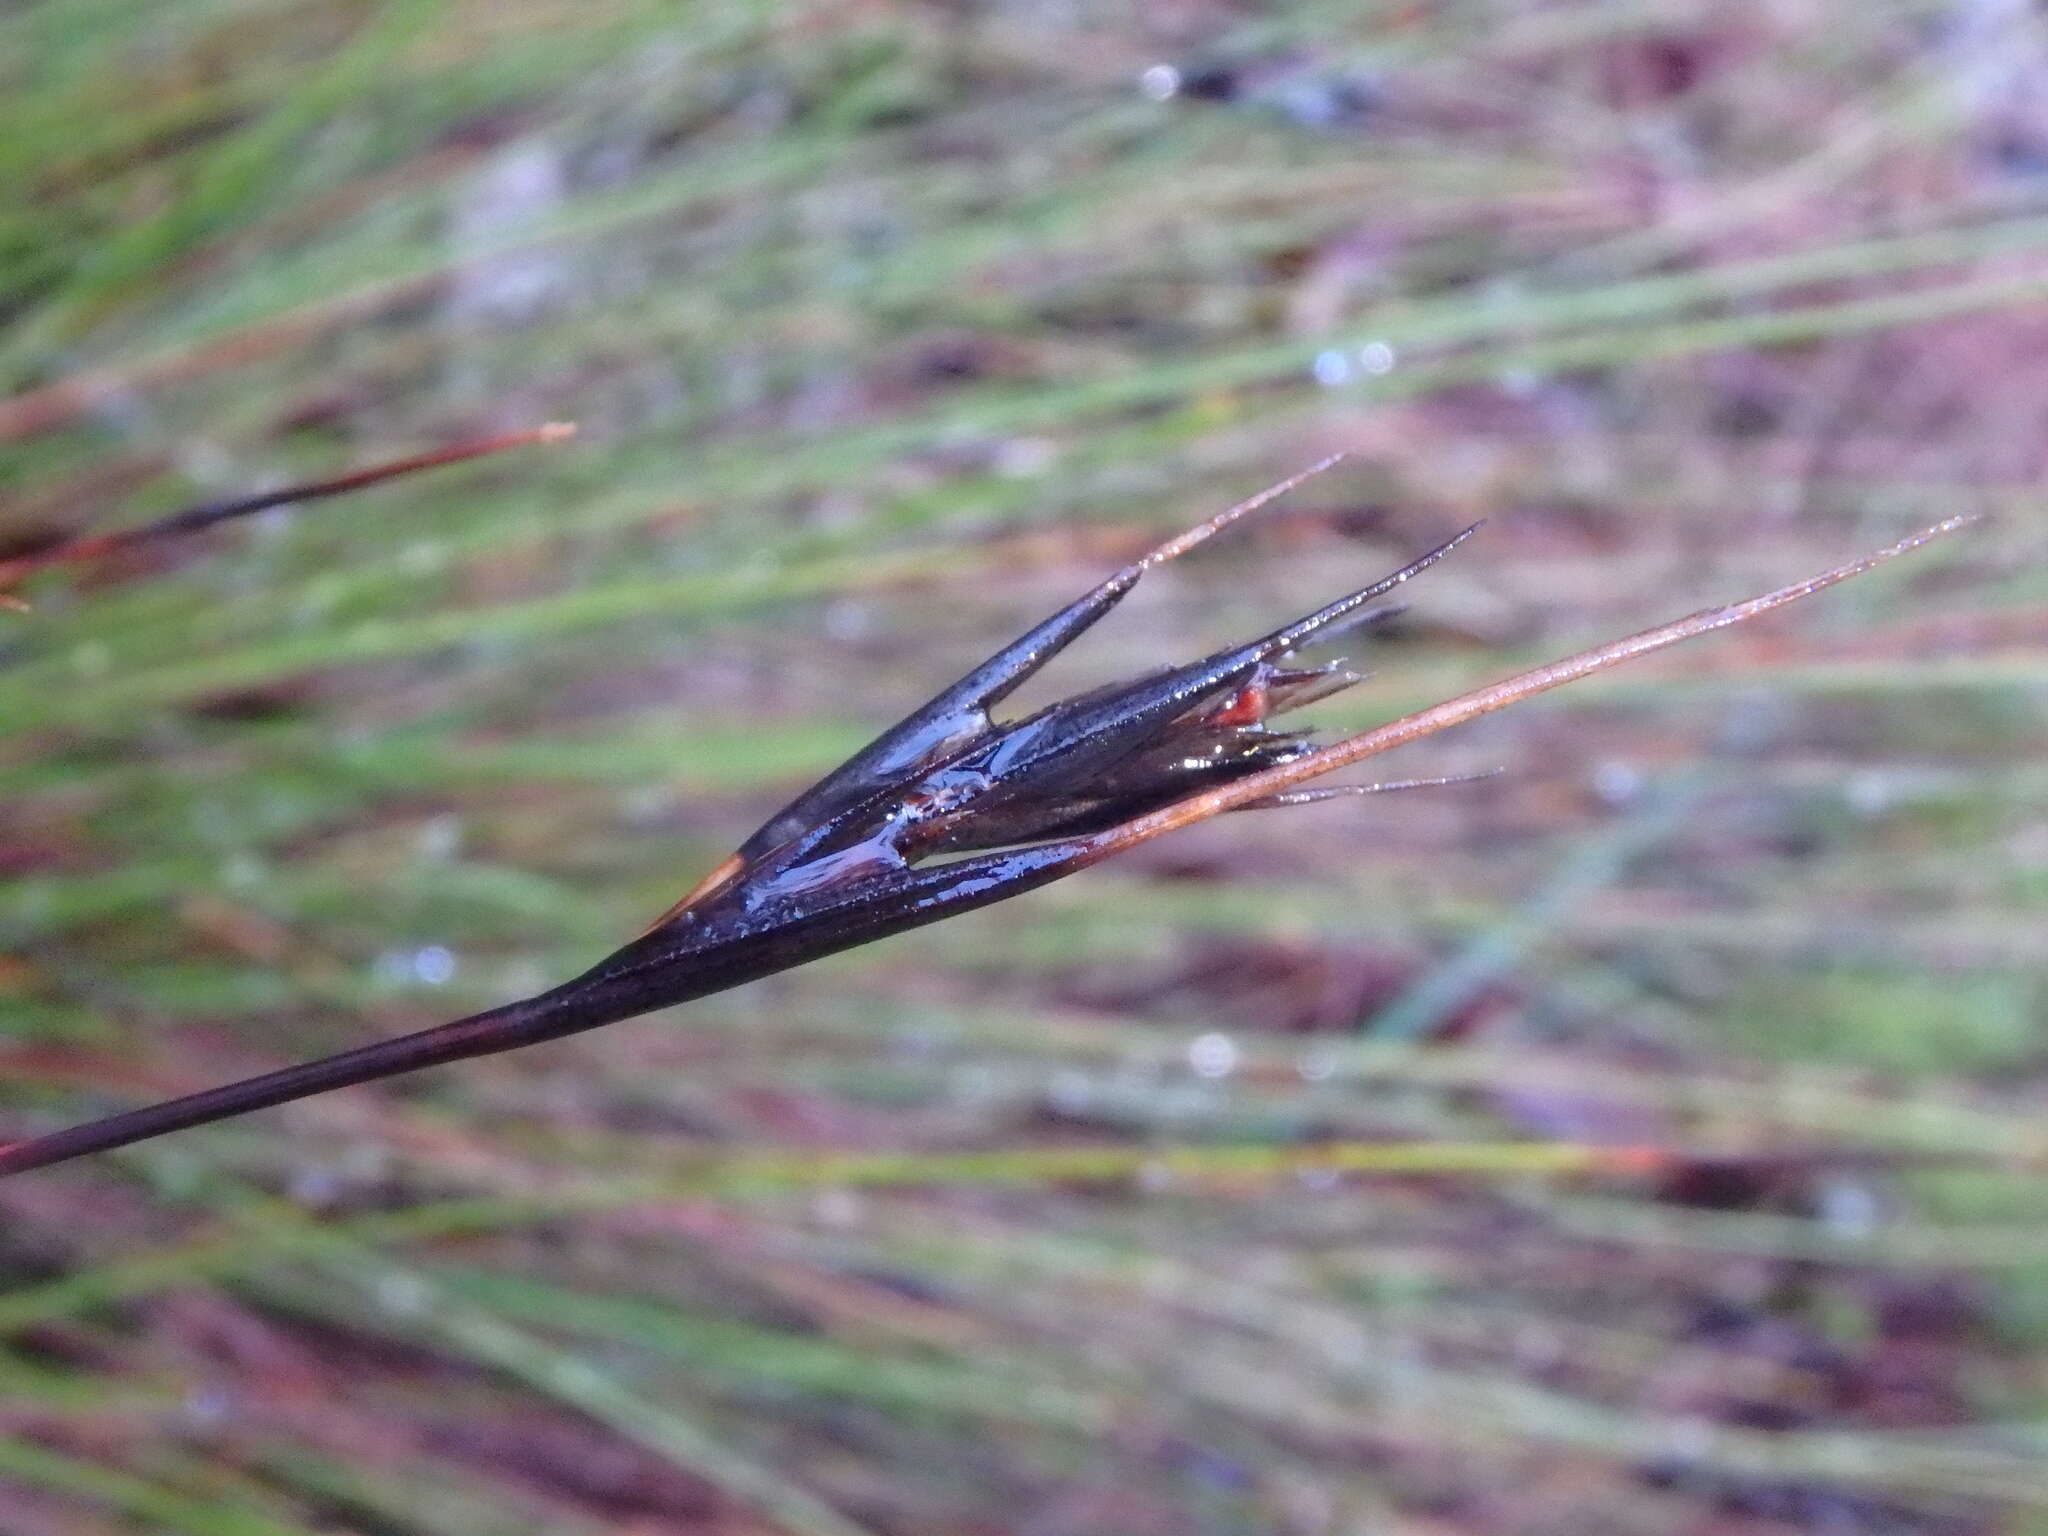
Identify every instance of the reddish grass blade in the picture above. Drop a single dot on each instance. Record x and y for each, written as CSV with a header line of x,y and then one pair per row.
x,y
96,546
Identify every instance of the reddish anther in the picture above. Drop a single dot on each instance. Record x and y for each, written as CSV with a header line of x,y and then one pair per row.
x,y
1246,707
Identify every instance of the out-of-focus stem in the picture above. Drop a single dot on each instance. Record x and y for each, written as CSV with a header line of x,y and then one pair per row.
x,y
191,519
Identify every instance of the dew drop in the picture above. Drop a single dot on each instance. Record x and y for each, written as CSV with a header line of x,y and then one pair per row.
x,y
1617,783
1212,1055
1161,82
1848,1209
1332,368
847,621
402,1295
1868,793
440,837
315,1186
1317,1066
1377,357
422,557
241,872
1070,1092
207,1405
837,1208
434,964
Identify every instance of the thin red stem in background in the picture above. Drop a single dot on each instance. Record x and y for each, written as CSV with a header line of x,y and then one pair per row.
x,y
98,545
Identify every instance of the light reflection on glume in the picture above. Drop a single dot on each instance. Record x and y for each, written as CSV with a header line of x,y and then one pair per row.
x,y
1332,368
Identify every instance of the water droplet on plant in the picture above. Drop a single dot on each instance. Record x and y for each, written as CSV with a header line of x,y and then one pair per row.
x,y
402,1295
1161,82
847,620
207,1405
434,964
1848,1209
1316,1066
1212,1055
837,1208
1070,1092
1617,783
313,1186
1377,357
1332,368
1022,457
1868,793
440,837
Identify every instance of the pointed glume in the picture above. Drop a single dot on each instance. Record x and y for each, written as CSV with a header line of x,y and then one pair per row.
x,y
960,711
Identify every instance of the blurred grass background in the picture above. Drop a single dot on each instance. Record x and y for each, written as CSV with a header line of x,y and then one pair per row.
x,y
1251,1185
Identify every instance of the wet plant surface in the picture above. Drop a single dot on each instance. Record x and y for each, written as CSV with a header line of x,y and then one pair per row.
x,y
1644,1139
